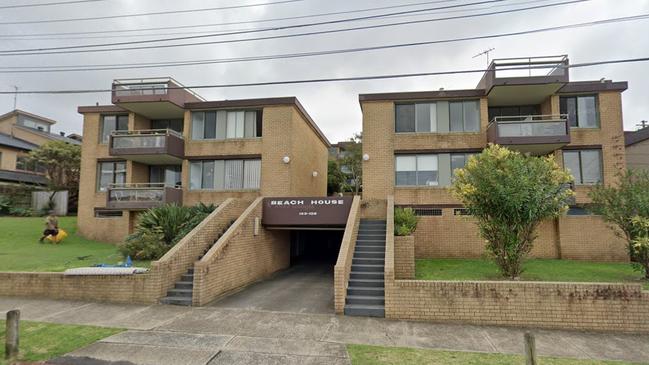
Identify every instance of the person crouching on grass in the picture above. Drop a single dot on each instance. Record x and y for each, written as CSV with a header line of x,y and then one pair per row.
x,y
51,226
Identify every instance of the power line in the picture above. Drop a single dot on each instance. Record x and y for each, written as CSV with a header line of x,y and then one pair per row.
x,y
148,14
143,65
56,36
229,23
294,26
338,79
47,4
297,34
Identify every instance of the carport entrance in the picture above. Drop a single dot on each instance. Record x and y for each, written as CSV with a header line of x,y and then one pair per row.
x,y
316,227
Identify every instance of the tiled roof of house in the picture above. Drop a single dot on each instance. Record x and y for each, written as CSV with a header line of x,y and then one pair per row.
x,y
9,141
635,137
22,177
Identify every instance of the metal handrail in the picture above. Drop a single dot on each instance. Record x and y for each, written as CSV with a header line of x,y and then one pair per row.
x,y
155,80
146,132
518,119
139,186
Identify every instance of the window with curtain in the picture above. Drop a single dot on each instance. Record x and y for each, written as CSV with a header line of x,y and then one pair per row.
x,y
581,110
584,165
418,117
224,174
226,124
110,123
113,172
169,175
416,170
459,160
464,116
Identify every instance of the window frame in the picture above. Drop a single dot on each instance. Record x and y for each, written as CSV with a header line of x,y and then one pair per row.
x,y
581,169
464,114
432,123
114,173
257,124
102,126
224,174
416,171
576,98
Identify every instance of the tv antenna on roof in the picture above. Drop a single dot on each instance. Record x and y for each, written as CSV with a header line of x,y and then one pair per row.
x,y
15,96
485,53
643,124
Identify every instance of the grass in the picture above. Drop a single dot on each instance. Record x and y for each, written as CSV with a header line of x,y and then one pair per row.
x,y
534,270
21,251
43,341
377,355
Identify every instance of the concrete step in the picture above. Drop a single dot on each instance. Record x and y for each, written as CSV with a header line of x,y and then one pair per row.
x,y
364,283
180,293
368,248
365,310
370,242
187,277
367,255
190,271
372,221
365,237
367,275
368,261
365,300
177,301
184,285
370,291
367,268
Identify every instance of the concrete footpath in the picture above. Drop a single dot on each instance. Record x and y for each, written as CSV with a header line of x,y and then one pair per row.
x,y
160,334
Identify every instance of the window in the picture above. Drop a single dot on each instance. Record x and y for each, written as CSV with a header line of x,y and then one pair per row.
x,y
173,124
513,111
582,110
224,174
108,213
427,211
169,175
24,164
110,173
584,165
110,123
34,124
420,117
464,116
459,160
420,170
226,124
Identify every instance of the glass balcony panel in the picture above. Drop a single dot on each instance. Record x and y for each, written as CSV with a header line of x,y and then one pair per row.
x,y
532,129
139,141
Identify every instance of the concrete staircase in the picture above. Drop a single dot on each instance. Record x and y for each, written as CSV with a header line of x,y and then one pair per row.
x,y
183,290
366,289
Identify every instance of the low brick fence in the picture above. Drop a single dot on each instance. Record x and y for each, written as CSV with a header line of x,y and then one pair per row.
x,y
573,306
404,257
345,255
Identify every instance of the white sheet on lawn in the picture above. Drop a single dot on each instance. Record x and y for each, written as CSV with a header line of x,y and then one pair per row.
x,y
105,271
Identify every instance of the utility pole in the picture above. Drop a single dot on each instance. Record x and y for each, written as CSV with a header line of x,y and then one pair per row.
x,y
485,53
15,97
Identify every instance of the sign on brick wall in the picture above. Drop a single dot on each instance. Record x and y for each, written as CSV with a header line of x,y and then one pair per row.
x,y
306,211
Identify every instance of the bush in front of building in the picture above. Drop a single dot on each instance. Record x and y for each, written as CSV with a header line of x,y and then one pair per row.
x,y
405,221
510,194
625,205
159,229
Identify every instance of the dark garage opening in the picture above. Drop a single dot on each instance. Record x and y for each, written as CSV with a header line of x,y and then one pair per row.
x,y
305,287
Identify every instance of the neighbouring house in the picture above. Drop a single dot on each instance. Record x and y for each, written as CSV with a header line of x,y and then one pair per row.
x,y
21,132
637,149
172,146
414,141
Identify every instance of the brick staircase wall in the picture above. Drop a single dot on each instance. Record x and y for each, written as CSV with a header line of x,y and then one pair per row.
x,y
344,262
246,253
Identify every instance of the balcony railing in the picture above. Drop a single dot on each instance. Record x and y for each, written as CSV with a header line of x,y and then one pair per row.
x,y
142,195
147,143
526,71
547,132
148,87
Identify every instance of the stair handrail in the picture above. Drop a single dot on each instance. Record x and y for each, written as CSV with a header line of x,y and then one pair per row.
x,y
388,269
343,265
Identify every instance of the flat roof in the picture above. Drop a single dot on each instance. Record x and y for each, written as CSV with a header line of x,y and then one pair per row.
x,y
415,95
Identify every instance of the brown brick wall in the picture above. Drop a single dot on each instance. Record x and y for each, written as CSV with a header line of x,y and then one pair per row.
x,y
240,257
404,257
344,262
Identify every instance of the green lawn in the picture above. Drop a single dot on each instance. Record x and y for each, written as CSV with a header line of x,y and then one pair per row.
x,y
376,355
43,341
535,270
21,251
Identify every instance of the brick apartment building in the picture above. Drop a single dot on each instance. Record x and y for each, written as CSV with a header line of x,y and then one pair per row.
x,y
161,143
414,140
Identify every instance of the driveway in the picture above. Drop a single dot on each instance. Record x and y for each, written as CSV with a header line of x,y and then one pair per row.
x,y
304,288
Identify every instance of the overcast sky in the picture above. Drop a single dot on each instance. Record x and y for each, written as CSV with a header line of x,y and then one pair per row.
x,y
334,106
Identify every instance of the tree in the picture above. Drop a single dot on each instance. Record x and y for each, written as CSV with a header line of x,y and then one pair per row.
x,y
624,205
510,194
336,180
62,163
352,163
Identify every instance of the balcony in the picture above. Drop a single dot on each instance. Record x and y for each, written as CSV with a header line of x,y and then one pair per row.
x,y
151,146
534,134
524,81
154,98
142,196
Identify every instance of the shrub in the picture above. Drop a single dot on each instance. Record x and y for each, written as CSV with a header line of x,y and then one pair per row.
x,y
158,229
509,194
640,244
5,204
21,212
405,221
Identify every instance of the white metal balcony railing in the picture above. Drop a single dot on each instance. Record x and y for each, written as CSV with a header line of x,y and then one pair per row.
x,y
148,86
531,125
146,138
530,66
139,193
